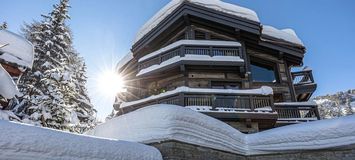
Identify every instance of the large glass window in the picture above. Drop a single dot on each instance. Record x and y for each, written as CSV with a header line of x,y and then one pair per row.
x,y
263,72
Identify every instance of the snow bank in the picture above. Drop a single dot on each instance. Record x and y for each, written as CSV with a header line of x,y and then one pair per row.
x,y
16,49
190,57
193,43
168,122
306,136
287,35
128,57
264,90
217,5
24,142
8,88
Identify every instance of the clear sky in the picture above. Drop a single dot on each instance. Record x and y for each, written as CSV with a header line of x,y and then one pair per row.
x,y
104,30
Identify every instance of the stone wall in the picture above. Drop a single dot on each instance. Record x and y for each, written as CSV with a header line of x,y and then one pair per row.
x,y
173,150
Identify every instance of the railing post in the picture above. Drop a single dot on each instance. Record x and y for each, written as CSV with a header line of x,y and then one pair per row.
x,y
272,103
213,101
251,102
311,76
211,51
182,99
182,51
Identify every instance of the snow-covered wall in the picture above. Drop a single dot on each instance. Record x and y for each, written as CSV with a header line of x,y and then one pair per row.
x,y
25,142
168,122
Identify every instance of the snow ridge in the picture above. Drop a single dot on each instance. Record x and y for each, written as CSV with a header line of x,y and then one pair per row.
x,y
162,122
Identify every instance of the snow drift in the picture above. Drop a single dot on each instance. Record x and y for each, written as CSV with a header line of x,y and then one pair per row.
x,y
169,122
24,142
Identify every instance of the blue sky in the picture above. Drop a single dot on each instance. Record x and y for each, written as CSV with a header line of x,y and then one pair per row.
x,y
104,30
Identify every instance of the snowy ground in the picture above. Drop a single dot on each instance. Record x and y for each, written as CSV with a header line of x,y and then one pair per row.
x,y
168,122
24,142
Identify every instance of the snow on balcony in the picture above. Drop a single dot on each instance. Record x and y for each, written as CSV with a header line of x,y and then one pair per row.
x,y
127,58
188,57
264,90
190,42
16,49
164,122
217,5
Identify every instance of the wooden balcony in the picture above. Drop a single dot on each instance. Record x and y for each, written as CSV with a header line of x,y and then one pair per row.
x,y
296,112
207,54
220,106
304,84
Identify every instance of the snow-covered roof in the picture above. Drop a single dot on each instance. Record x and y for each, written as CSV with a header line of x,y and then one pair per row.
x,y
191,42
264,90
8,88
287,35
16,49
23,142
168,122
217,5
128,57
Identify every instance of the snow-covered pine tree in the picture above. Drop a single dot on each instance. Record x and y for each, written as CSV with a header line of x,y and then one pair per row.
x,y
54,90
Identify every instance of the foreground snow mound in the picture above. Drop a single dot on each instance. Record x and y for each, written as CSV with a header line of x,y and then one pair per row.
x,y
306,136
169,122
24,142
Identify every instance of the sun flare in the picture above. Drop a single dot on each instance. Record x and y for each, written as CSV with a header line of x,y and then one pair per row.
x,y
111,83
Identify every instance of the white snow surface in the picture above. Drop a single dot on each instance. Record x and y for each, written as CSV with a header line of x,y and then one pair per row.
x,y
264,90
217,5
128,57
190,57
296,103
162,122
16,49
8,88
288,35
191,42
25,142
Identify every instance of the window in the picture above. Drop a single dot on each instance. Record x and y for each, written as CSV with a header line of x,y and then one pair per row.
x,y
263,72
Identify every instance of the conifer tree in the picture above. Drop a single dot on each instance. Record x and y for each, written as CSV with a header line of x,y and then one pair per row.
x,y
54,90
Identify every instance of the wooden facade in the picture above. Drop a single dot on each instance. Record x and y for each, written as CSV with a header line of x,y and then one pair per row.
x,y
193,22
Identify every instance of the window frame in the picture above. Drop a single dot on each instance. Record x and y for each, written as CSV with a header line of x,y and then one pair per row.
x,y
263,62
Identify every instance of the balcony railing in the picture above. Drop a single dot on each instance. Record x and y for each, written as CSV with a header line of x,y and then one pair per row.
x,y
296,112
226,101
190,50
302,77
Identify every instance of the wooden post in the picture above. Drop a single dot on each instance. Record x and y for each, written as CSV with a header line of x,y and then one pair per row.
x,y
182,51
182,99
251,102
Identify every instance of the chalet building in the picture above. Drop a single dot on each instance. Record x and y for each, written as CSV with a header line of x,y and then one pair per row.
x,y
218,59
16,55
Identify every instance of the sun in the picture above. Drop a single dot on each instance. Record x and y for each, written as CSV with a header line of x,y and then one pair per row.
x,y
111,83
